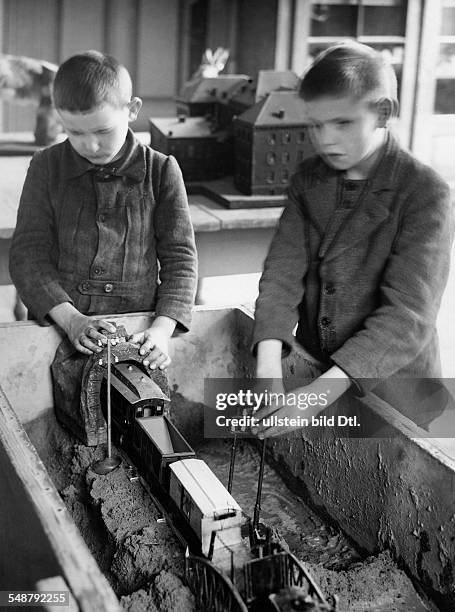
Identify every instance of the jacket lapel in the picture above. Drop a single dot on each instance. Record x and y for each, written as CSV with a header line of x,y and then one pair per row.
x,y
341,228
352,225
321,193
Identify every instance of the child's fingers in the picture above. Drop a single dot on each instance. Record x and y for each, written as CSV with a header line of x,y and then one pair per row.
x,y
92,339
136,338
152,357
265,411
109,327
147,347
162,361
275,427
80,347
166,363
89,340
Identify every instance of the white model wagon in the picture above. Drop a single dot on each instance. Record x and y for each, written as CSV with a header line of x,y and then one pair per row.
x,y
207,505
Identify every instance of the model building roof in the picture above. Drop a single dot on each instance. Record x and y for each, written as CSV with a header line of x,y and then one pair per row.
x,y
212,88
184,127
247,94
278,108
271,80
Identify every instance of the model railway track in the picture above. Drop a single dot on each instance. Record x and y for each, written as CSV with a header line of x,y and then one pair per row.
x,y
197,572
231,564
200,573
180,531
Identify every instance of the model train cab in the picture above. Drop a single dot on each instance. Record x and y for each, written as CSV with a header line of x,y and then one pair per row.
x,y
138,389
134,395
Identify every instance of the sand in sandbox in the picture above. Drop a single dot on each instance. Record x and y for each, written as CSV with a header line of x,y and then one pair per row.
x,y
140,556
144,561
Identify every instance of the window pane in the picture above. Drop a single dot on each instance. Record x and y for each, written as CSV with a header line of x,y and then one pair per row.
x,y
445,97
286,137
333,20
448,21
385,20
445,83
446,61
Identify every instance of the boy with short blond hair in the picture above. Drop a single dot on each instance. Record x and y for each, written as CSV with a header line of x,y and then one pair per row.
x,y
361,256
103,223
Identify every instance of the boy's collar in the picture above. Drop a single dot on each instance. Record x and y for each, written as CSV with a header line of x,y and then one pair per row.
x,y
382,176
131,163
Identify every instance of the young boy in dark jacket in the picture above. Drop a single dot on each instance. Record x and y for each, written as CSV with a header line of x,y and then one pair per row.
x,y
103,223
361,256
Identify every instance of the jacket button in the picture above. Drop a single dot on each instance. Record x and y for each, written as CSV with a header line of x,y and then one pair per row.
x,y
325,321
97,271
85,286
108,288
102,218
329,289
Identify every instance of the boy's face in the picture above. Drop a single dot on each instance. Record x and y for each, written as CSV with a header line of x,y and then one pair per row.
x,y
346,133
99,134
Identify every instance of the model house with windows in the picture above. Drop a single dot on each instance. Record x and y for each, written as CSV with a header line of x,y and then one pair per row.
x,y
201,149
234,125
270,141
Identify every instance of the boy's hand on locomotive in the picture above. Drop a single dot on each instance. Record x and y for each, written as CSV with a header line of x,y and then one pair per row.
x,y
154,348
83,331
85,335
154,343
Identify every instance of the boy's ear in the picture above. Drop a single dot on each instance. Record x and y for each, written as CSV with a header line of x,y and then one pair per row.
x,y
134,107
386,109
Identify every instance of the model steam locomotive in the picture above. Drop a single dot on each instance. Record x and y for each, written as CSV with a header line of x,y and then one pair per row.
x,y
229,565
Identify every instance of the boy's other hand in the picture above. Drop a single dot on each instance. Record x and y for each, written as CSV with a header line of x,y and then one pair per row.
x,y
304,402
269,386
276,406
154,343
287,415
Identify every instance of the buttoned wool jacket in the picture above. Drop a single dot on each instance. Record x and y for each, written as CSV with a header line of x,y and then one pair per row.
x,y
107,239
364,281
